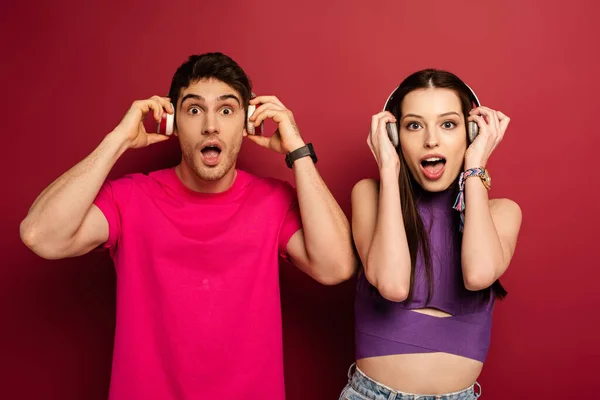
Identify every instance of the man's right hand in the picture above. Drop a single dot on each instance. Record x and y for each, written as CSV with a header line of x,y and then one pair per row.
x,y
131,128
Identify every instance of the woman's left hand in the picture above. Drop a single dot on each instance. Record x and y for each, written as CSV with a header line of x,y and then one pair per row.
x,y
492,126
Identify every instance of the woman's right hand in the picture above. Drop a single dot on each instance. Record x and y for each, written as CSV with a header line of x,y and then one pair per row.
x,y
382,148
131,128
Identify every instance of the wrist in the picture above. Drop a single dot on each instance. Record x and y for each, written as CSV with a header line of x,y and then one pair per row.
x,y
119,141
473,163
475,182
295,145
389,172
306,151
473,173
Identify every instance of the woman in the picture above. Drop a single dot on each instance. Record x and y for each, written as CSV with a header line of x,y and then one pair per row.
x,y
432,245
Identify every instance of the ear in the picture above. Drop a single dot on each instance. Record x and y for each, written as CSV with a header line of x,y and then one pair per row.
x,y
174,131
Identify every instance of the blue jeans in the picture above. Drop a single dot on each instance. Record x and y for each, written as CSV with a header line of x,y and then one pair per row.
x,y
361,387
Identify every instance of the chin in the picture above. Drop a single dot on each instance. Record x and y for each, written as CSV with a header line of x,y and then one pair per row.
x,y
435,186
212,173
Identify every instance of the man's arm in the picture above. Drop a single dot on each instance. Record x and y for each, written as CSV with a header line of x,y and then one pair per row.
x,y
323,248
63,221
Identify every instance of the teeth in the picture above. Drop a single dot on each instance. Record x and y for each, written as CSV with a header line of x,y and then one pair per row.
x,y
433,159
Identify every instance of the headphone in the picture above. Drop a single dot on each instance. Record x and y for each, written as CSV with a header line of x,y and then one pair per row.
x,y
250,128
392,129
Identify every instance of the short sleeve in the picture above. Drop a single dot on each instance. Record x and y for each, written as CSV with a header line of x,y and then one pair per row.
x,y
292,221
112,200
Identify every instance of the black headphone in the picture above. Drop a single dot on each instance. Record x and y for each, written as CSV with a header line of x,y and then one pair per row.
x,y
392,129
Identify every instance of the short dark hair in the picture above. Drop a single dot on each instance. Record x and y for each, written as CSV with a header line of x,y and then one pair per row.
x,y
211,65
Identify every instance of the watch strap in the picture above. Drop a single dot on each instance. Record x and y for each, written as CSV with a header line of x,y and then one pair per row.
x,y
304,151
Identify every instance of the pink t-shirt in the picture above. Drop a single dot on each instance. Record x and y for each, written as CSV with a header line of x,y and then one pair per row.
x,y
198,308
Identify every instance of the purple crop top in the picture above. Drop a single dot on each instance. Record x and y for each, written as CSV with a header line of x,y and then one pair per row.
x,y
384,327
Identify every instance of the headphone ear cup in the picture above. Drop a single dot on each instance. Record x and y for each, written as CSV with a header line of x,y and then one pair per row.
x,y
392,131
473,131
250,128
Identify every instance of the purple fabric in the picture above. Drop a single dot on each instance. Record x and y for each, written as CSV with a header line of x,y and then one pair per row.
x,y
384,327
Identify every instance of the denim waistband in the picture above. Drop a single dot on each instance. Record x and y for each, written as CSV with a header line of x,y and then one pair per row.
x,y
367,386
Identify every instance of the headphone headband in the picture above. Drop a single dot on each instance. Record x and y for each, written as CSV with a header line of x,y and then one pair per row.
x,y
390,98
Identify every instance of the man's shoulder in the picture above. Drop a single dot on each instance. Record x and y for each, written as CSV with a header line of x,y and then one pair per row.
x,y
266,183
138,179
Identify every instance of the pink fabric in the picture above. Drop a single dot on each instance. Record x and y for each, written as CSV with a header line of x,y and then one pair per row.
x,y
198,309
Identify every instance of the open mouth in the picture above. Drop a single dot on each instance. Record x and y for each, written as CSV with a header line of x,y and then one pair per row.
x,y
210,153
433,166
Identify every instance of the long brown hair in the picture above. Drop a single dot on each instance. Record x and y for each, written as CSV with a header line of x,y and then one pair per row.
x,y
416,233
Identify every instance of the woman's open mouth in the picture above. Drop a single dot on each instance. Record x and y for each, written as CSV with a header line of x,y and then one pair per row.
x,y
433,166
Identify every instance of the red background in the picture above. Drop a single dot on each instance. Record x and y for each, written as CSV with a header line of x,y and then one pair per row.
x,y
69,72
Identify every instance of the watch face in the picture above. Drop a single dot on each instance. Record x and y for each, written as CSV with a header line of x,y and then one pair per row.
x,y
487,178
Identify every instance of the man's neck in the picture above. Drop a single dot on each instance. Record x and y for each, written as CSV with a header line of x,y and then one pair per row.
x,y
193,182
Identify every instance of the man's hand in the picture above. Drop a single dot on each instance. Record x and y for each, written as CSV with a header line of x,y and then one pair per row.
x,y
287,136
131,128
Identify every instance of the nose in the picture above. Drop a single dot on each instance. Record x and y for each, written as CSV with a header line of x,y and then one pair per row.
x,y
431,139
211,125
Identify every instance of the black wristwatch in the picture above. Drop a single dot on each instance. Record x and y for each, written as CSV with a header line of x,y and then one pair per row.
x,y
303,151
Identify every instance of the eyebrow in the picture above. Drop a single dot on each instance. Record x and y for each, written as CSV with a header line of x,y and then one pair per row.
x,y
441,115
220,98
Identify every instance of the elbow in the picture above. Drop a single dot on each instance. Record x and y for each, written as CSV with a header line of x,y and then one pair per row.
x,y
390,289
476,281
330,280
393,292
28,234
341,271
31,237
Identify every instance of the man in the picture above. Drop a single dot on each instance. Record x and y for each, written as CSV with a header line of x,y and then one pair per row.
x,y
196,246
